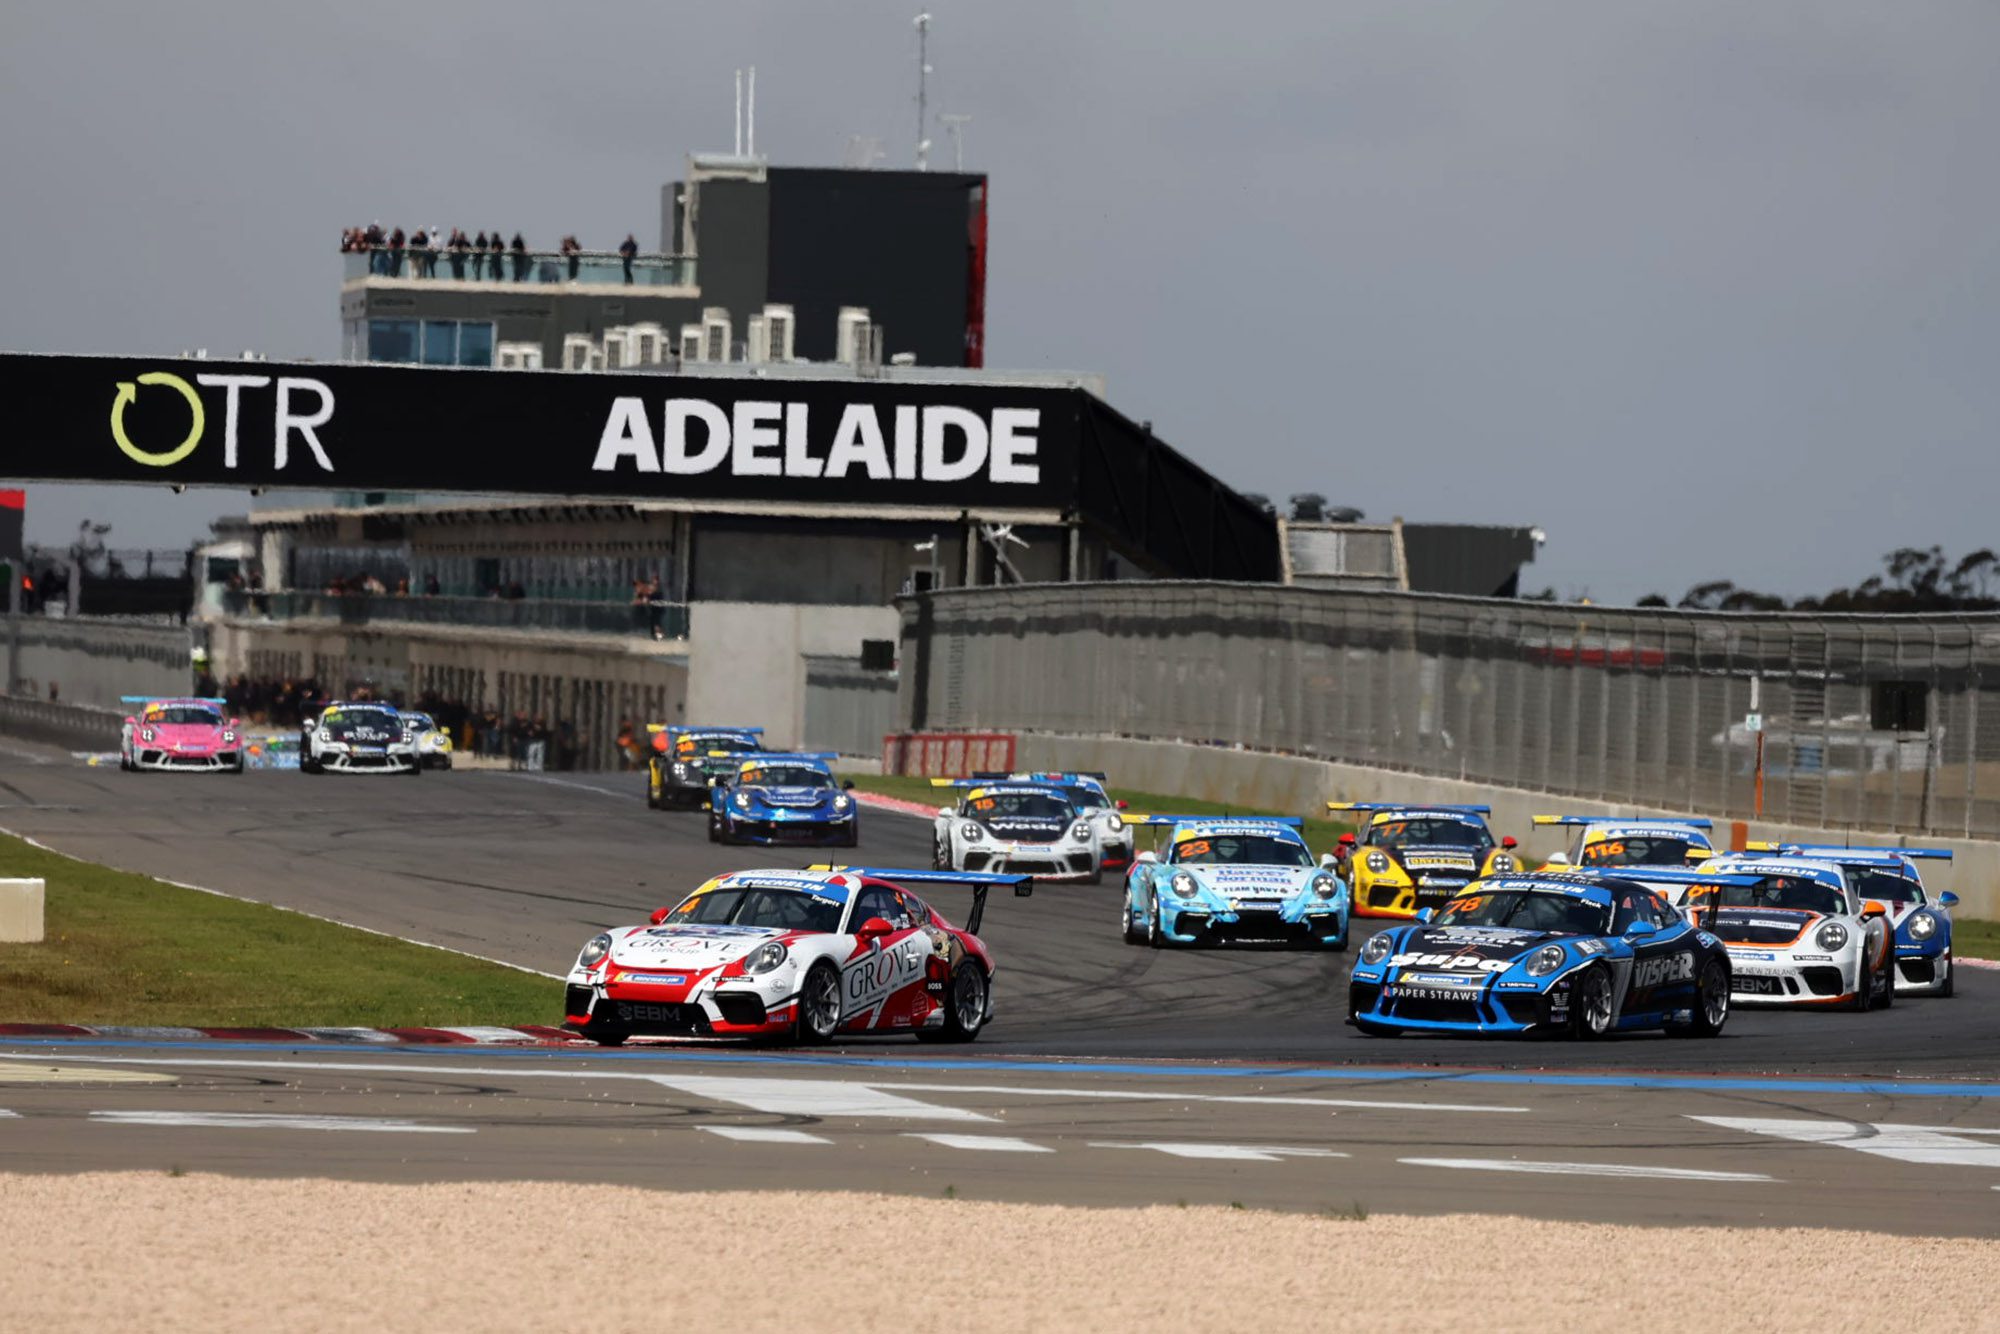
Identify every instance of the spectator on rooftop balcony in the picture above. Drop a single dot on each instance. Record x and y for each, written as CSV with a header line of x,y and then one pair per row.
x,y
396,253
628,249
458,245
520,249
571,251
372,242
478,256
419,246
496,255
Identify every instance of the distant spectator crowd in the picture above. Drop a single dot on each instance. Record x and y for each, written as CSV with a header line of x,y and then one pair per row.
x,y
484,256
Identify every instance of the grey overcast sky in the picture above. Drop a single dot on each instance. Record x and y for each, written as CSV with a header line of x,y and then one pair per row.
x,y
1705,289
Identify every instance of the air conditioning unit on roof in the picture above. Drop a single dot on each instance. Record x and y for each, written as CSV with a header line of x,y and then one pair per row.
x,y
691,342
649,344
781,326
851,337
617,348
518,356
757,340
578,352
716,334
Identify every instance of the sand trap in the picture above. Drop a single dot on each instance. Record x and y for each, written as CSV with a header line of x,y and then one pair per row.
x,y
150,1252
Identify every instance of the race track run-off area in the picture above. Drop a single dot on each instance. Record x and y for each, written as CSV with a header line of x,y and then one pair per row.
x,y
1111,1075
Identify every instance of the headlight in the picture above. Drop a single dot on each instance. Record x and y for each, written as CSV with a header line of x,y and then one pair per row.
x,y
1831,937
1502,863
325,735
1378,862
680,769
229,737
594,952
766,957
1546,960
742,801
1377,948
840,801
1325,886
1183,884
1922,926
971,832
1079,831
1112,824
146,734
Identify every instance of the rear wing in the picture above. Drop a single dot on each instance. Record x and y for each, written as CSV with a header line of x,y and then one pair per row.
x,y
1290,821
677,729
1676,881
1862,854
1035,776
981,882
173,699
1622,819
782,756
1407,806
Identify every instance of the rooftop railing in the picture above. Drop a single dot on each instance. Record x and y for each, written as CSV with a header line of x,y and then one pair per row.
x,y
662,620
535,267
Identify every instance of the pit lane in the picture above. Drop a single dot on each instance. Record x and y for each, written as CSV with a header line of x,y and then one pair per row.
x,y
524,868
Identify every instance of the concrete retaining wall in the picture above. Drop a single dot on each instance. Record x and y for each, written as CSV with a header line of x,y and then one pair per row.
x,y
71,726
94,661
1293,784
747,660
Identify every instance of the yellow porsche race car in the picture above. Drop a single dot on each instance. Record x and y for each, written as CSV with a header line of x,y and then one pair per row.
x,y
1408,858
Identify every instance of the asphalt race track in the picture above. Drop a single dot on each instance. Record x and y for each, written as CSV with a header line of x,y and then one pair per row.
x,y
1112,1074
525,868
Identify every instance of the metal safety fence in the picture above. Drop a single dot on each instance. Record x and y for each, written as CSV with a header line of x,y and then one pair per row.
x,y
1865,722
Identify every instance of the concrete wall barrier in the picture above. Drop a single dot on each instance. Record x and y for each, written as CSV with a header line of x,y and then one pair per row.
x,y
21,911
71,726
1296,785
95,660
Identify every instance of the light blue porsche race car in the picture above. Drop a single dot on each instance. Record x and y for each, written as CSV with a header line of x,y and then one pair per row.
x,y
773,798
1226,879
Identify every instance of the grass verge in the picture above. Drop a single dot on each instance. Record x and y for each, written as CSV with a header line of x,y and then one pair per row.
x,y
1972,938
128,949
1320,833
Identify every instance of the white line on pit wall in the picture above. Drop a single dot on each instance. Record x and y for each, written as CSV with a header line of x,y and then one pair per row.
x,y
1583,1169
812,1097
764,1135
1906,1144
982,1143
1241,1153
275,1121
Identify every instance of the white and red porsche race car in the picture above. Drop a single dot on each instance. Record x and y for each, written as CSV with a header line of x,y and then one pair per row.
x,y
792,954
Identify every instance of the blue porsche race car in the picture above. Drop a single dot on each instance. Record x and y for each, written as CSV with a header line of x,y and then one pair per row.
x,y
1921,919
783,798
1234,878
1575,955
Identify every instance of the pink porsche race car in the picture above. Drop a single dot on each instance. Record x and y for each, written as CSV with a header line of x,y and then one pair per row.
x,y
797,956
179,734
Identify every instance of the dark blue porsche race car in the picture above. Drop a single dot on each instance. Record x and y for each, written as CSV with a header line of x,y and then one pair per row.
x,y
773,798
1582,956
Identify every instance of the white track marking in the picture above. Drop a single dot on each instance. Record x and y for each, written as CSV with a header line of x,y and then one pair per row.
x,y
1906,1144
1243,1099
813,1097
6,1115
354,1035
765,1135
73,1074
1241,1153
985,1143
489,1036
1583,1169
570,782
275,1121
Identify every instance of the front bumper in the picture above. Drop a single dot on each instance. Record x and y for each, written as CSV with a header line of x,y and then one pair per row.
x,y
1402,899
397,760
809,833
1210,924
1922,972
166,761
1043,861
1774,977
1401,1005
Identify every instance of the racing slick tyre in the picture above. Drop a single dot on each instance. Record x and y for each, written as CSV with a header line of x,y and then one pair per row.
x,y
604,1035
655,801
1154,936
1134,935
939,860
964,1007
1590,1004
1864,990
1950,975
1711,1004
818,1013
1888,979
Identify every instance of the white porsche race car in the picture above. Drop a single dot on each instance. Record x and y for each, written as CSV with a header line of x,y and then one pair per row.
x,y
1030,828
1797,935
360,737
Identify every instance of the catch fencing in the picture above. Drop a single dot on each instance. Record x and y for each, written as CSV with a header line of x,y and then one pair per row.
x,y
1862,722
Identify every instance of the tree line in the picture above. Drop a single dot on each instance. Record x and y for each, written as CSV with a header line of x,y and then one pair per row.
x,y
1913,579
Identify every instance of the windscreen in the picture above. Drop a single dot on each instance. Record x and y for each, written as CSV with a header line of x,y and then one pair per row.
x,y
1086,798
1020,806
781,909
1636,850
185,715
701,745
1527,910
1888,887
1240,849
1429,832
368,721
785,775
1782,891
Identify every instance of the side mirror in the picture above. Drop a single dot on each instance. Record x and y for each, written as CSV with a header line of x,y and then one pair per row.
x,y
1947,900
1147,857
847,785
945,811
1426,914
873,927
1559,859
1510,842
1639,930
1874,908
1328,859
660,915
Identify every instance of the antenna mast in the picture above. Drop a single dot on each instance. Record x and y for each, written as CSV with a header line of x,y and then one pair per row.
x,y
923,91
